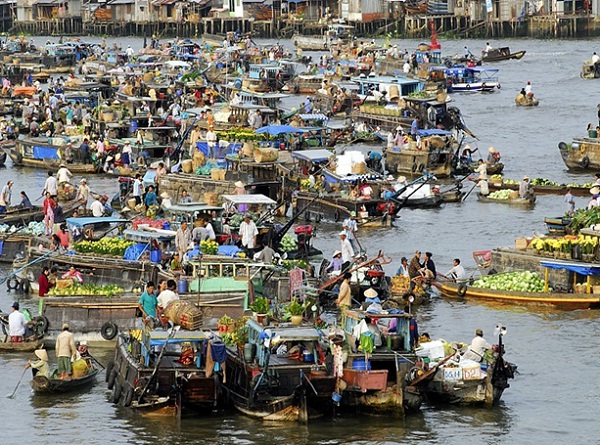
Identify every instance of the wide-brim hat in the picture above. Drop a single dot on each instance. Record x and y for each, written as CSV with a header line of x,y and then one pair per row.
x,y
65,326
336,253
594,190
164,195
371,293
401,178
343,232
239,184
41,354
83,180
492,150
525,178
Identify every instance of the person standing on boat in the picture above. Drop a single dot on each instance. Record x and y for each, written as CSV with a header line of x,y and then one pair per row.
x,y
148,303
570,202
65,352
183,238
5,197
524,187
415,127
83,193
350,226
138,187
347,250
477,348
17,325
488,48
248,233
482,170
44,284
344,299
51,185
528,89
49,205
167,295
126,154
457,273
40,366
211,142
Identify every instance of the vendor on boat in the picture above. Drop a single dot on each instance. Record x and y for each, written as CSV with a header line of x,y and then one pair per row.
x,y
595,192
570,202
344,299
477,348
482,170
39,366
403,268
97,206
65,352
493,156
415,268
457,273
44,284
73,274
17,324
148,303
5,197
25,202
524,187
347,250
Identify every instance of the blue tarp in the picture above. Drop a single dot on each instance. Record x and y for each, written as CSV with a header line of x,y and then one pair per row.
x,y
45,152
133,253
228,250
433,131
581,269
274,130
80,222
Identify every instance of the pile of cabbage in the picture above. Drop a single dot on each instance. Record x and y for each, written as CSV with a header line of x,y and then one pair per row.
x,y
520,281
288,243
33,228
500,194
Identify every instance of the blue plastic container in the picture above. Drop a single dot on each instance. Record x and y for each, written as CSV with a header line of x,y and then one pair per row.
x,y
483,366
182,286
308,357
155,256
360,365
166,225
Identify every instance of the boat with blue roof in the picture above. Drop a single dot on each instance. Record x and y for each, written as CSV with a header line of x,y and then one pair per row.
x,y
461,78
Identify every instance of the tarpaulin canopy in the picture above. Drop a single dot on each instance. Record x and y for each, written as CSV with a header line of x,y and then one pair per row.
x,y
312,155
581,269
434,131
45,152
274,130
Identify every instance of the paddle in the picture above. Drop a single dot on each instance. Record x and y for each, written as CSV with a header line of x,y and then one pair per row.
x,y
12,396
96,360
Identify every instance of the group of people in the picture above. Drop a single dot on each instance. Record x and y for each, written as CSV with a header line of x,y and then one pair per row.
x,y
425,270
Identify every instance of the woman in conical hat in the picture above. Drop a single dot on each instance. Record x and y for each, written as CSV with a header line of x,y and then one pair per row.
x,y
40,366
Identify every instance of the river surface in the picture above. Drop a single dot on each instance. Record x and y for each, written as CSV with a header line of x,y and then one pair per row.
x,y
554,398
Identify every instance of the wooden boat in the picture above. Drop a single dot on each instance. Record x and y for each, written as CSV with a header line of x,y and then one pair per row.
x,y
560,300
543,189
335,34
589,70
141,378
557,226
155,406
39,153
305,83
525,101
464,79
280,387
582,154
25,216
378,385
525,202
26,346
498,54
463,382
43,385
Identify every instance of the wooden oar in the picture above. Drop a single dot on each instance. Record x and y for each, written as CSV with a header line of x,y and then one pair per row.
x,y
12,395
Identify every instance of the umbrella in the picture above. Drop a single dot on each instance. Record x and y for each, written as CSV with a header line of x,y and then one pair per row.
x,y
274,130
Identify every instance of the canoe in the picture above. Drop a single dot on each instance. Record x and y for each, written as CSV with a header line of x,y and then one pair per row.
x,y
155,406
543,189
524,202
561,300
27,346
25,216
498,54
43,385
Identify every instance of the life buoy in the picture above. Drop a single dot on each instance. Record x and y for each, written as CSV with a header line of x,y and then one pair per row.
x,y
563,146
585,162
109,330
25,286
41,324
89,233
414,167
128,397
12,283
116,393
109,368
462,290
421,167
110,379
468,87
336,215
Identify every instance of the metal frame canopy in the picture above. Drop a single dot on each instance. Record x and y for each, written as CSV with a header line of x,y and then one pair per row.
x,y
249,199
312,155
86,221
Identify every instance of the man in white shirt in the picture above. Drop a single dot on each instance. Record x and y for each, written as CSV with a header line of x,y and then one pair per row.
x,y
248,232
210,231
83,193
51,185
351,227
211,141
347,251
167,295
130,53
477,347
138,188
17,324
183,237
482,170
528,88
5,197
595,58
457,272
97,206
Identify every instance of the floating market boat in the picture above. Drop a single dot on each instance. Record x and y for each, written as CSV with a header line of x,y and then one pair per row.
x,y
528,201
53,385
22,217
336,33
26,346
467,79
540,189
269,384
582,154
558,225
589,70
499,54
523,100
376,380
562,300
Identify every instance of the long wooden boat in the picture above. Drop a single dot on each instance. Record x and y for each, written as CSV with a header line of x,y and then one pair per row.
x,y
279,387
543,189
499,54
560,300
26,346
582,154
43,385
558,225
25,216
524,202
39,153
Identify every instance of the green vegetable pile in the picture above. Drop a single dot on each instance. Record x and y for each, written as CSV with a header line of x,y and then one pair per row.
x,y
520,281
542,181
420,95
288,243
290,264
108,290
500,194
582,219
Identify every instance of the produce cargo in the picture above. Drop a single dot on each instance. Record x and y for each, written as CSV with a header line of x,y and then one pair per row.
x,y
520,281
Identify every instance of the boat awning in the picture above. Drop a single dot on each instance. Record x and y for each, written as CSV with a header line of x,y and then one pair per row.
x,y
477,69
193,207
435,131
249,199
581,269
146,235
274,130
287,333
86,221
312,155
313,117
159,337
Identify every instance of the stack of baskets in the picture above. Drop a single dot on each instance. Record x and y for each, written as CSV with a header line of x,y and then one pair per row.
x,y
184,314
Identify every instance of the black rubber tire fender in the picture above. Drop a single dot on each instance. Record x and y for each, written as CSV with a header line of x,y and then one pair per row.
x,y
336,215
414,167
128,398
24,286
41,323
110,380
109,368
12,283
109,330
420,168
468,87
563,146
585,162
116,393
462,290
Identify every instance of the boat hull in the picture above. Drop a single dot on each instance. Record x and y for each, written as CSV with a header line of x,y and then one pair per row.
x,y
28,346
22,154
560,300
583,154
479,86
519,202
43,385
502,54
